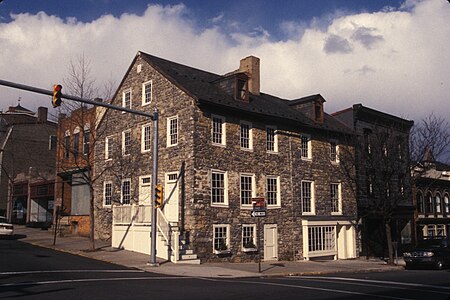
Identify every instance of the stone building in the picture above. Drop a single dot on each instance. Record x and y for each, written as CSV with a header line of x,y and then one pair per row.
x,y
74,169
223,142
383,178
432,196
27,165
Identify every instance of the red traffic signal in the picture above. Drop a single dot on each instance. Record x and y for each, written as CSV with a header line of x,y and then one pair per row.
x,y
56,101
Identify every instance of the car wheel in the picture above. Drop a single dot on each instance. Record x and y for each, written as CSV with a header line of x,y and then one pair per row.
x,y
439,265
408,267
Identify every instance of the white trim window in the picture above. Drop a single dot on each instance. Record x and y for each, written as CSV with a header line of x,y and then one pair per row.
x,y
125,191
307,193
305,147
109,146
334,152
172,131
246,136
219,188
126,99
248,235
247,189
221,239
437,203
273,191
86,141
218,133
107,193
336,200
147,88
321,239
66,153
145,189
446,204
126,142
271,139
146,138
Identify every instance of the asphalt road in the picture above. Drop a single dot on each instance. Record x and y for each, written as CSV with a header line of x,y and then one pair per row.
x,y
29,272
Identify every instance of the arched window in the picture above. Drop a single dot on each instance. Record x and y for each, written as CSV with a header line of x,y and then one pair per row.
x,y
429,203
420,204
437,203
446,204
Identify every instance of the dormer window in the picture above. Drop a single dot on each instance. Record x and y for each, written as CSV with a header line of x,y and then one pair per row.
x,y
241,89
318,112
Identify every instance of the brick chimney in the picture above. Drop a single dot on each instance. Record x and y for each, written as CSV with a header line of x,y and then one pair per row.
x,y
250,65
42,114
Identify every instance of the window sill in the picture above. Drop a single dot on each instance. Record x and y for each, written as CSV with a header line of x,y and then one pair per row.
x,y
222,252
219,145
247,149
250,250
272,152
275,206
219,205
308,214
336,213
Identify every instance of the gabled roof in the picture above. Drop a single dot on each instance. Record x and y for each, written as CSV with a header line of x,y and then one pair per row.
x,y
203,87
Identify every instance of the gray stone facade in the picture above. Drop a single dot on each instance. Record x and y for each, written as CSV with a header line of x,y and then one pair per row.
x,y
195,157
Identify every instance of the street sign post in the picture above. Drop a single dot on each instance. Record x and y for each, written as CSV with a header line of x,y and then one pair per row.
x,y
259,210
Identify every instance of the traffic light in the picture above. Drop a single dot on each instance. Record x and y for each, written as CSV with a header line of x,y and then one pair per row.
x,y
158,196
56,101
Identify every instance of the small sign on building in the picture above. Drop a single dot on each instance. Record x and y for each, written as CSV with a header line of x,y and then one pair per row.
x,y
259,207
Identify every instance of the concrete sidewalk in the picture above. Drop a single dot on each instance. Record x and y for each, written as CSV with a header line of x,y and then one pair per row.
x,y
81,245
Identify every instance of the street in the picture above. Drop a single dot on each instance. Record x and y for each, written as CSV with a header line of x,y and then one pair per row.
x,y
31,272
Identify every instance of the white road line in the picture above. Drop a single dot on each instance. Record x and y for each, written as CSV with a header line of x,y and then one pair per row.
x,y
85,280
308,288
70,271
318,279
396,283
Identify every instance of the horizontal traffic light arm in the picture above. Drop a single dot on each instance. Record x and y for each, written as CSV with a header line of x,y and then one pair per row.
x,y
74,98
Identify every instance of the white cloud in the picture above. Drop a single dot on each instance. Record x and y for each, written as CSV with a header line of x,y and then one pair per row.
x,y
394,61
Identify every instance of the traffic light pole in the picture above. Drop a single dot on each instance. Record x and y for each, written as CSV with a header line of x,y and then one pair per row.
x,y
153,262
153,117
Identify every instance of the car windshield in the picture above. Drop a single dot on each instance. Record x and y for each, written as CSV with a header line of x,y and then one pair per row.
x,y
433,243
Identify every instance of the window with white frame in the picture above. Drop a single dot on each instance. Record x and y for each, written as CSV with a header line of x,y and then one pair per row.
x,y
86,141
145,190
109,144
107,193
219,189
248,235
147,93
420,203
218,130
446,204
221,240
271,139
307,197
321,238
126,98
126,191
437,203
172,131
335,195
429,204
66,145
247,188
273,190
246,139
146,138
334,151
305,149
126,142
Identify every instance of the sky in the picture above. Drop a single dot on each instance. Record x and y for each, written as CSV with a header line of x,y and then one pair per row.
x,y
392,56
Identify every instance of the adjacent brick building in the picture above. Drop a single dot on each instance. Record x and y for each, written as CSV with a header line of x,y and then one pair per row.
x,y
223,142
75,170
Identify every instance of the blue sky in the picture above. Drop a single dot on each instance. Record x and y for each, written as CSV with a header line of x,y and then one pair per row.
x,y
388,55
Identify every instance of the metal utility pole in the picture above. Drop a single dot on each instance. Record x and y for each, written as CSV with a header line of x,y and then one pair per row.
x,y
153,117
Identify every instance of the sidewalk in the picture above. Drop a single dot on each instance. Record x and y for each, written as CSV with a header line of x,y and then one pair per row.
x,y
80,246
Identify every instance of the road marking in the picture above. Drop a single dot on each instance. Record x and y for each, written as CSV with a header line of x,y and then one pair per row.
x,y
71,271
86,280
306,287
380,282
319,279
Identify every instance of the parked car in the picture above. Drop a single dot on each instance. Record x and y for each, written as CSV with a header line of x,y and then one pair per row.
x,y
430,252
6,228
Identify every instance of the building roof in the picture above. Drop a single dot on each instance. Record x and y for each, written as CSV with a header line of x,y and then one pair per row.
x,y
202,86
